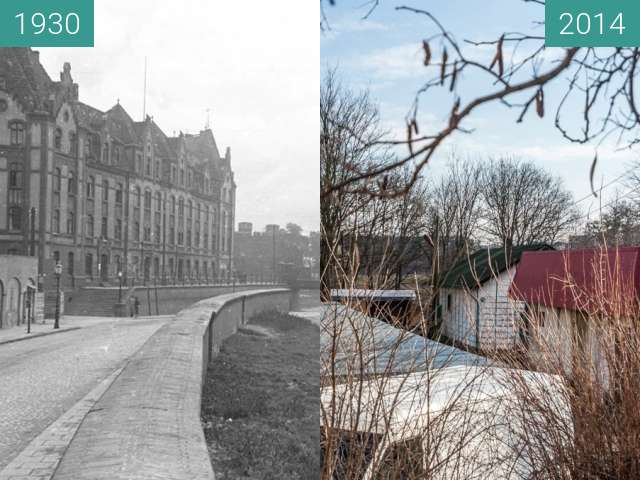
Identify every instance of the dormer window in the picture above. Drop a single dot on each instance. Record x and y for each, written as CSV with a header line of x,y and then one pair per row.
x,y
65,116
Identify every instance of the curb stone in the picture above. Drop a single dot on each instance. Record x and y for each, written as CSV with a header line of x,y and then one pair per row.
x,y
40,334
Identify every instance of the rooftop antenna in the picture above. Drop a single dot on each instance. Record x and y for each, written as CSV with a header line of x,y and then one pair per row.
x,y
207,125
144,101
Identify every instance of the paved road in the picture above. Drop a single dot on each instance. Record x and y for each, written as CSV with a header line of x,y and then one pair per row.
x,y
42,378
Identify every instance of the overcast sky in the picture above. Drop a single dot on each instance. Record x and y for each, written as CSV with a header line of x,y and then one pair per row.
x,y
383,54
254,64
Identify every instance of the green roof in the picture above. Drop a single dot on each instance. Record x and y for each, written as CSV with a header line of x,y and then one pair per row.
x,y
485,263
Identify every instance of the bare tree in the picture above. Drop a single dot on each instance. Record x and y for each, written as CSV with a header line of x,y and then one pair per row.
x,y
349,135
619,224
524,204
597,88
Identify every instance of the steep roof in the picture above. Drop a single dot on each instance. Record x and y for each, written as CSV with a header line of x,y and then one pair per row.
x,y
484,264
589,280
88,116
26,77
121,125
161,142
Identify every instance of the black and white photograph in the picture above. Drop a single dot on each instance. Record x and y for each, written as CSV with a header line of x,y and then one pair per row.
x,y
160,246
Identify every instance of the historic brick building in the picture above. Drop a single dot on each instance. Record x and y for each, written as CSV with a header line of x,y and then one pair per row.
x,y
102,193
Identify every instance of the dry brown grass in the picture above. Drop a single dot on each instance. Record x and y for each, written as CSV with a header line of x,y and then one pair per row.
x,y
578,419
260,402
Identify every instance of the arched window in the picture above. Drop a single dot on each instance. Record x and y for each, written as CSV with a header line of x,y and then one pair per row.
x,y
105,190
158,201
71,222
173,205
15,175
138,197
71,186
16,129
117,154
91,187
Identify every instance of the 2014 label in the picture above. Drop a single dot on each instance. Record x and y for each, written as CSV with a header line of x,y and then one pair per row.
x,y
582,24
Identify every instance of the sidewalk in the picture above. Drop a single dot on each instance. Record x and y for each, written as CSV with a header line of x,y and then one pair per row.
x,y
67,324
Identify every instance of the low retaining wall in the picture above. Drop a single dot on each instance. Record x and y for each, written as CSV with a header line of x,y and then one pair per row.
x,y
172,299
147,425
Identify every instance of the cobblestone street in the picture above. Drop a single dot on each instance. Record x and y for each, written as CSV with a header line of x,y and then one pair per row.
x,y
42,378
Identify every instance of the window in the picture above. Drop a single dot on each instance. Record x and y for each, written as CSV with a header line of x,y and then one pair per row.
x,y
116,151
56,257
15,175
104,228
90,226
448,302
138,163
157,234
57,180
71,223
57,139
138,197
188,238
16,129
105,153
147,199
71,185
173,205
15,218
65,116
119,194
136,231
158,169
73,144
173,174
147,233
158,202
105,190
182,176
88,265
56,221
147,166
88,146
206,241
70,261
91,188
118,229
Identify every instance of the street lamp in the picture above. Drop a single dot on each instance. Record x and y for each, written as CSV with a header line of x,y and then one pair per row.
x,y
58,272
120,288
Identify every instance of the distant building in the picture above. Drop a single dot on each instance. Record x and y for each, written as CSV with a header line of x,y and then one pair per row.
x,y
272,229
274,254
102,193
245,228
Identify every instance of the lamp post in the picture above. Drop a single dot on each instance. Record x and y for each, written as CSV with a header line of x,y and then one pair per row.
x,y
58,272
120,287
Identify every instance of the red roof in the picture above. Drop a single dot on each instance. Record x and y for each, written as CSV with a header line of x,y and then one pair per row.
x,y
593,280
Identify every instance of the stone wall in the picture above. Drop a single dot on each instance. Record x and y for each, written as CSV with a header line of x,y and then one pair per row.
x,y
171,299
147,424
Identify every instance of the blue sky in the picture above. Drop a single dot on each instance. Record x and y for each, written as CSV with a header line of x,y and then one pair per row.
x,y
383,54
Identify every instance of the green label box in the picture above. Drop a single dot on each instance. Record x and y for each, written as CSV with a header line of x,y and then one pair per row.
x,y
46,23
592,23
